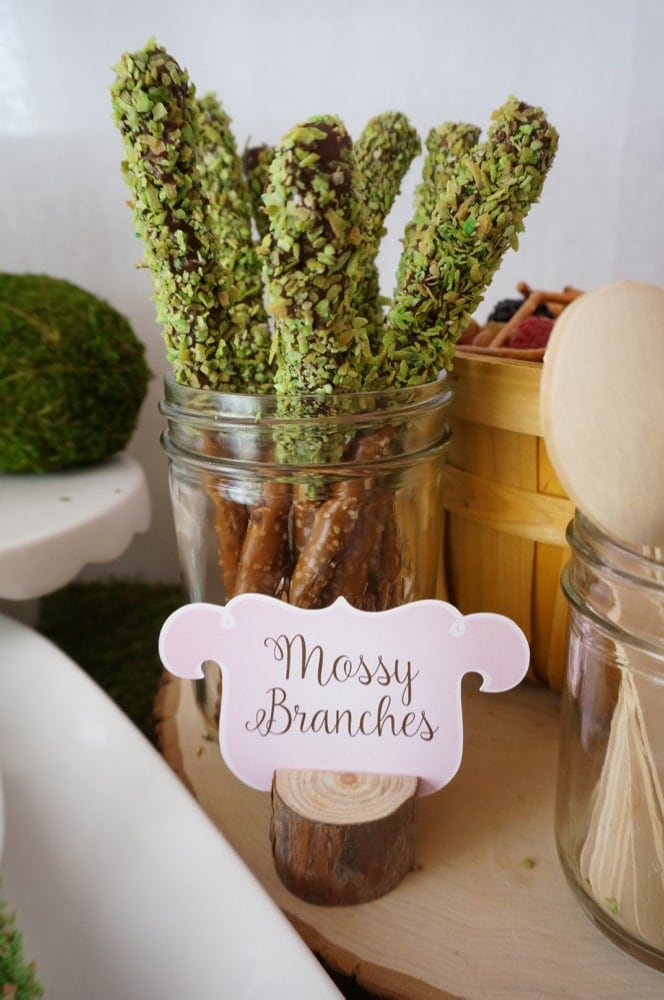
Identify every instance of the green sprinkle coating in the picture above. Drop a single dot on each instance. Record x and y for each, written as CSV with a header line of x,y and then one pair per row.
x,y
155,107
312,256
383,153
445,145
445,273
226,192
177,211
319,206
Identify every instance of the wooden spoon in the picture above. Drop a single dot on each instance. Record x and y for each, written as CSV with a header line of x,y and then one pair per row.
x,y
602,408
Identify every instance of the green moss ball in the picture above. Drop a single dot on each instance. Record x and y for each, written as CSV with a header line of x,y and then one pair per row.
x,y
73,375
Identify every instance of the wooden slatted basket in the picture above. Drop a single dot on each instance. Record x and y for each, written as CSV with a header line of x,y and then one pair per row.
x,y
506,512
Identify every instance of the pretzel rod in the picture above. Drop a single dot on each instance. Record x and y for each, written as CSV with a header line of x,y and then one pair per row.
x,y
226,192
303,515
476,220
230,525
333,524
383,153
155,109
350,575
444,145
385,569
312,260
332,527
264,559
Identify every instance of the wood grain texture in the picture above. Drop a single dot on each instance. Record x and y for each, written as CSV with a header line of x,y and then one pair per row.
x,y
506,512
486,912
340,839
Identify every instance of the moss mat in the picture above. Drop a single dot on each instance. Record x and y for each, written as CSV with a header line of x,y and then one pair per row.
x,y
111,630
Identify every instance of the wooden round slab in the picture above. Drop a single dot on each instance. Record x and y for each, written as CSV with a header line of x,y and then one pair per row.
x,y
602,408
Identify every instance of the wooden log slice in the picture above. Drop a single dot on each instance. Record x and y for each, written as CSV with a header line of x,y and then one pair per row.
x,y
339,838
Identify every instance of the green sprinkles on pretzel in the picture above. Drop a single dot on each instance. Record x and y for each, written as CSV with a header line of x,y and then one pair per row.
x,y
445,145
445,272
312,258
383,153
226,192
302,312
154,105
200,304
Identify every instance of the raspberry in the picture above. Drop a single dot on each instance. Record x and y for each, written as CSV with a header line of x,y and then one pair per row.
x,y
533,332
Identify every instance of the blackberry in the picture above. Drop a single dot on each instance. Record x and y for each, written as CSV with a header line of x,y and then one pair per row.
x,y
504,310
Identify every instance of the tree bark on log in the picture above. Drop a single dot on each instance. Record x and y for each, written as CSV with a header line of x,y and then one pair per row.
x,y
340,839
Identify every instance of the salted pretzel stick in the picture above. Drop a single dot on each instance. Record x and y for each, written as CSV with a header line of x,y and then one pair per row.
x,y
230,525
264,560
310,258
225,189
383,153
350,576
445,145
333,525
385,568
192,212
444,277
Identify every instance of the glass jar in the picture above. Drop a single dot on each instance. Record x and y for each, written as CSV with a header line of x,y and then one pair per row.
x,y
609,820
307,498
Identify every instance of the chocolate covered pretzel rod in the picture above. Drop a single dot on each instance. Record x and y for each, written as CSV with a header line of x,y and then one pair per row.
x,y
312,257
445,275
226,192
311,262
383,153
445,145
155,109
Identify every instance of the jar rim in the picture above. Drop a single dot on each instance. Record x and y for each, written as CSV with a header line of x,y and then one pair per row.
x,y
208,406
179,389
642,563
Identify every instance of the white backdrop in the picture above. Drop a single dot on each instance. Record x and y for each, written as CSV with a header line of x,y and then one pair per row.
x,y
596,67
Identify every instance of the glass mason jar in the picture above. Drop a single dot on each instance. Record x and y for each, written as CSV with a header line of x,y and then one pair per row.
x,y
609,818
307,498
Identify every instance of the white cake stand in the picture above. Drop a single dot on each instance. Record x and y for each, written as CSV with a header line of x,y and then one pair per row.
x,y
54,524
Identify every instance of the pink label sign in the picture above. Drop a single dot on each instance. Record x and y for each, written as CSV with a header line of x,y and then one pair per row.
x,y
341,689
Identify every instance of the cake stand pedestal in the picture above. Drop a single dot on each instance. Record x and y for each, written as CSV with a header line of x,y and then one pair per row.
x,y
54,524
